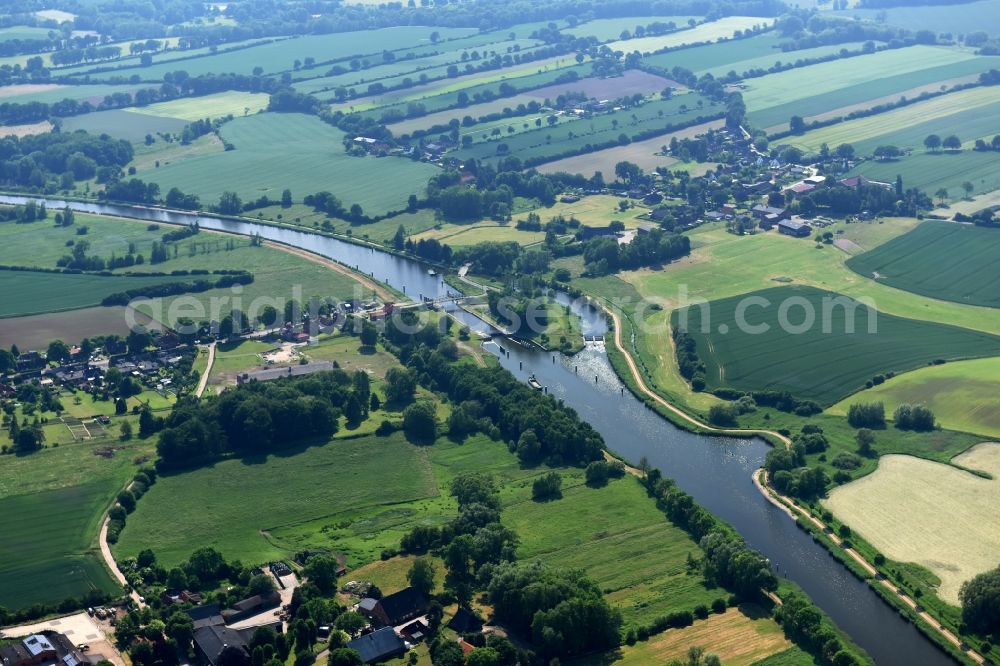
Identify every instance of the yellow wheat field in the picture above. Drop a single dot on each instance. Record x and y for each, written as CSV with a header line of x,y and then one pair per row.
x,y
935,515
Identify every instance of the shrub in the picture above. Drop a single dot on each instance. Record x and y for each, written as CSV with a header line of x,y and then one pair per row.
x,y
723,415
701,611
547,486
719,606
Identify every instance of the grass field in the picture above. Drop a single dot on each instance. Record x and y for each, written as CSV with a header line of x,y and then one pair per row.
x,y
621,540
934,515
823,359
296,487
961,395
37,331
952,262
933,171
210,106
706,32
644,153
718,58
23,32
277,151
740,637
968,113
122,124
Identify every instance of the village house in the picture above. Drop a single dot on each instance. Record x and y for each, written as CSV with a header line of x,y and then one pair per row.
x,y
395,609
378,645
44,648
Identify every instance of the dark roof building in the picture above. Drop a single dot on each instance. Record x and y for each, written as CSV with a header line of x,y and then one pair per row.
x,y
205,616
465,622
15,654
210,641
268,374
396,608
794,228
378,645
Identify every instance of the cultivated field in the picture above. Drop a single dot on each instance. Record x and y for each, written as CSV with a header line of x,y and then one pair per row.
x,y
280,55
463,235
740,636
122,124
952,262
37,331
968,113
631,82
644,153
25,130
718,58
545,143
935,515
50,511
706,32
32,293
983,15
808,91
933,171
218,105
962,395
822,359
611,28
288,150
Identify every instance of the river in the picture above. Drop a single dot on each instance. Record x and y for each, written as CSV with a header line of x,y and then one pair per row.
x,y
716,471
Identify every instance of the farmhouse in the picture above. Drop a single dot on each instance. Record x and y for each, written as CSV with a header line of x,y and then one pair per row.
x,y
855,181
378,645
396,608
761,212
465,622
251,606
794,228
647,227
270,374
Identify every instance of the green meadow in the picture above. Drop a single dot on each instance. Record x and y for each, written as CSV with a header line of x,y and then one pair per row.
x,y
823,356
274,151
943,260
931,172
30,292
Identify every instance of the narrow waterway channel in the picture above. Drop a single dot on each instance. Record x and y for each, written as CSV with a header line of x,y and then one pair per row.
x,y
716,471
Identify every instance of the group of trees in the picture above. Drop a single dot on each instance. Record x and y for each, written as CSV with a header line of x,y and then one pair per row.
x,y
786,467
803,623
52,161
913,417
605,255
866,415
262,416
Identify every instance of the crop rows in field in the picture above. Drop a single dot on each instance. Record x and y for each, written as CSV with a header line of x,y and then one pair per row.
x,y
825,360
983,15
970,113
953,262
931,172
46,538
122,124
539,143
631,82
723,28
29,292
871,92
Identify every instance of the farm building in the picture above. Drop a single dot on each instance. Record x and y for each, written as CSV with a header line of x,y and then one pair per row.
x,y
251,606
378,645
465,622
855,181
794,228
210,642
396,608
762,212
270,374
42,648
647,227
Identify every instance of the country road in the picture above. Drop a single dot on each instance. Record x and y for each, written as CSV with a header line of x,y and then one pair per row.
x,y
203,382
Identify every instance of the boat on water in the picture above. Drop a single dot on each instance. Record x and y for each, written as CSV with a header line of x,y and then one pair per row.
x,y
533,383
431,271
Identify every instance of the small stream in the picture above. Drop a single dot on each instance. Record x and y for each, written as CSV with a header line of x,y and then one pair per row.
x,y
716,471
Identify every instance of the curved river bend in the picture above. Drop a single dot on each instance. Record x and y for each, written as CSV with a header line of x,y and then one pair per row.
x,y
715,471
